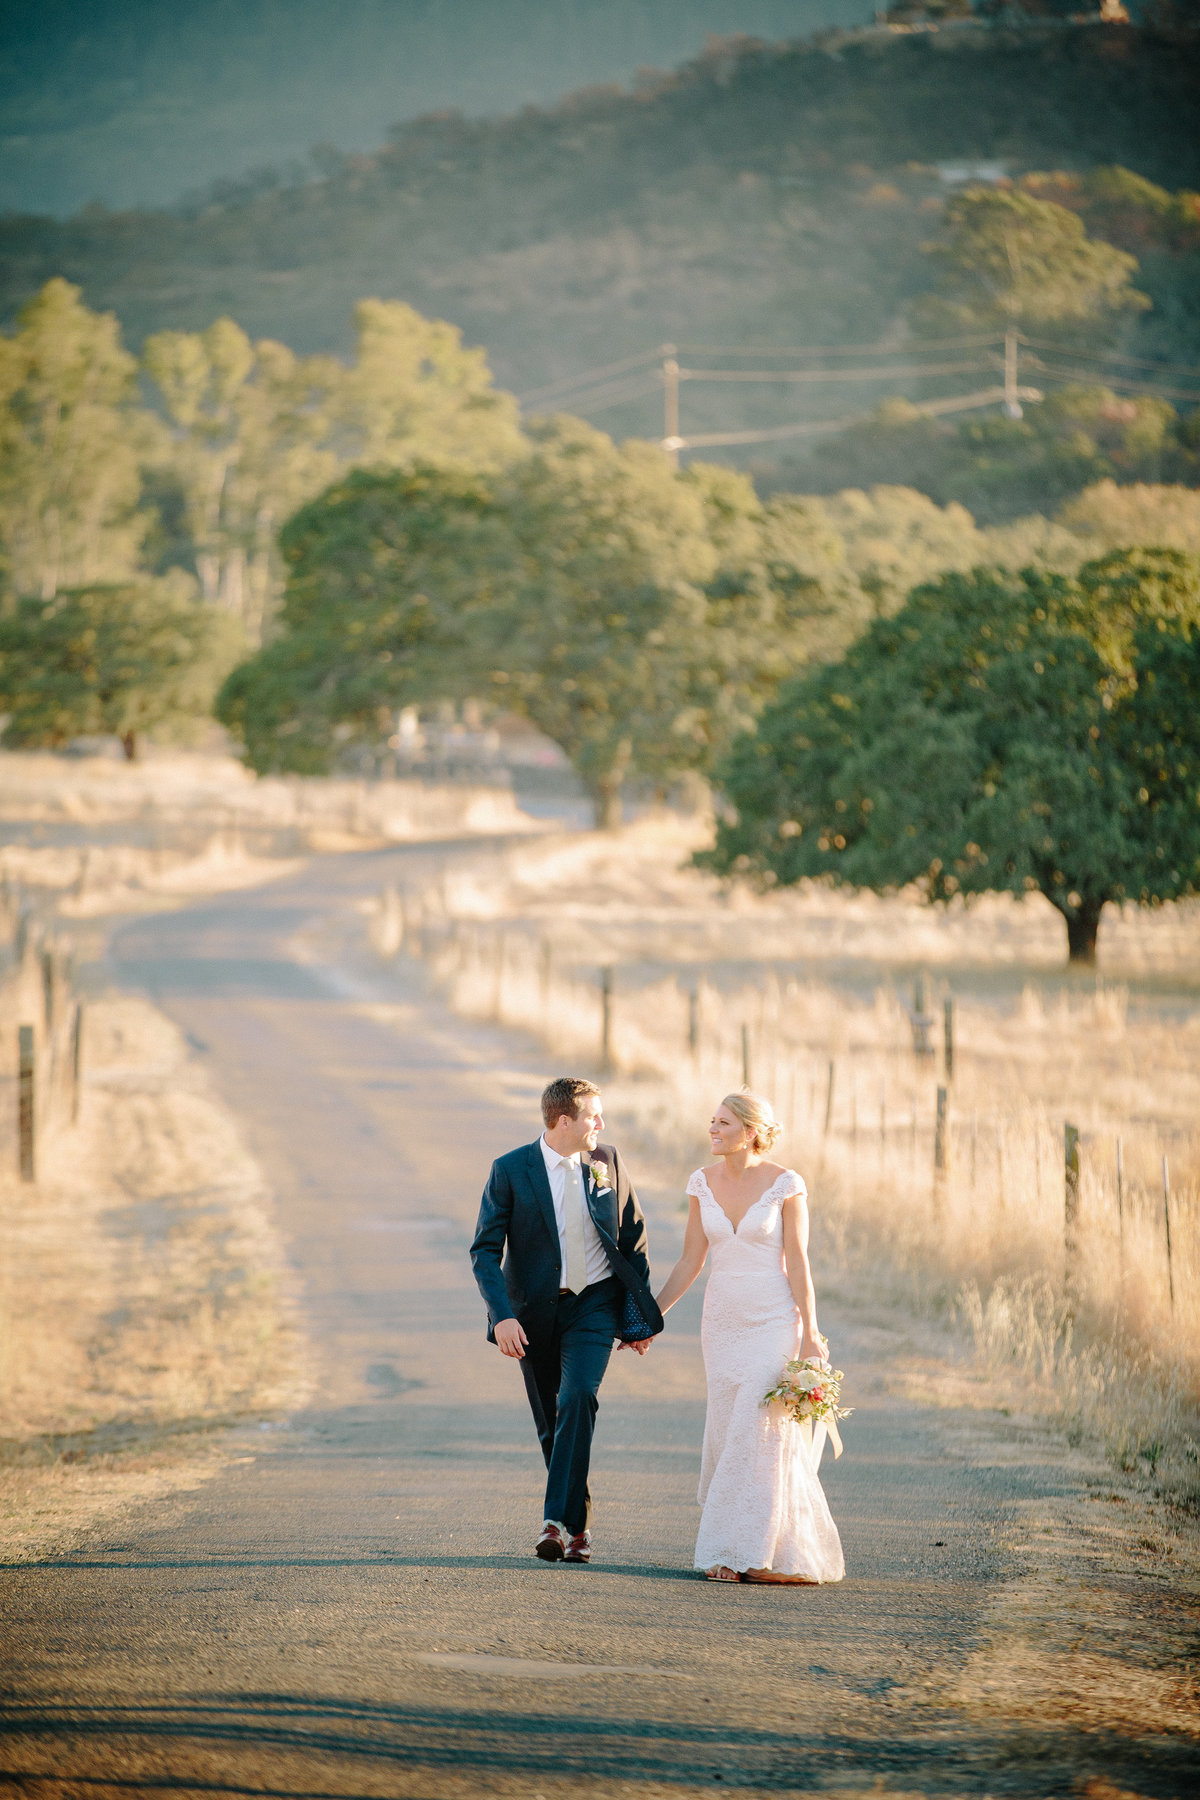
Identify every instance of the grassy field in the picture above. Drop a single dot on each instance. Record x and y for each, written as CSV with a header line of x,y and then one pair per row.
x,y
836,1007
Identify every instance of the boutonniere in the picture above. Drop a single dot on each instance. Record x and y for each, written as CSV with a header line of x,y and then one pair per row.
x,y
600,1172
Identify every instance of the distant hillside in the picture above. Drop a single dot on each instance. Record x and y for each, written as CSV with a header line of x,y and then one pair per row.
x,y
776,196
135,102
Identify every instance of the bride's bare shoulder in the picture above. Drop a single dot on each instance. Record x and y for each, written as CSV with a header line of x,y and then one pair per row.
x,y
773,1169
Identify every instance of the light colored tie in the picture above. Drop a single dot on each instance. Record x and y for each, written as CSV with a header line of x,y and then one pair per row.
x,y
574,1274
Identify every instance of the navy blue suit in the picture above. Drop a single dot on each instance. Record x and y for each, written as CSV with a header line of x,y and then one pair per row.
x,y
517,1260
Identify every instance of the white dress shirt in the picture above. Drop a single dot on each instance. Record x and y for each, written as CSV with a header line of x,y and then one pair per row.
x,y
596,1262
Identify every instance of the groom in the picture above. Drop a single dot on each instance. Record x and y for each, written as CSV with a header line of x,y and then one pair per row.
x,y
576,1247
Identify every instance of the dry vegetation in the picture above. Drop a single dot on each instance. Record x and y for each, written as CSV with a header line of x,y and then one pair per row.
x,y
143,1299
818,991
143,1302
176,804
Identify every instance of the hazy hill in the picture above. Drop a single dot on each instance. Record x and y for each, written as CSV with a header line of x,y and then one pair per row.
x,y
777,196
132,102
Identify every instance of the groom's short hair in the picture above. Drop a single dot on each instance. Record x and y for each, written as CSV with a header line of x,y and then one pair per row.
x,y
563,1096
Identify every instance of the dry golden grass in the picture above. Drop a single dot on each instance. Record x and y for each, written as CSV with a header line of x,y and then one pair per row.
x,y
817,991
206,794
143,1294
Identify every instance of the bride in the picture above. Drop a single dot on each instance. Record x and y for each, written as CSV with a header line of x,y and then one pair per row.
x,y
765,1517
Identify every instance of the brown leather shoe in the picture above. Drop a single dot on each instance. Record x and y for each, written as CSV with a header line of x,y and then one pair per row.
x,y
552,1543
579,1547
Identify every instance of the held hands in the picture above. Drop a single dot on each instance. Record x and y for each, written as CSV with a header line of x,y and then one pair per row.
x,y
510,1339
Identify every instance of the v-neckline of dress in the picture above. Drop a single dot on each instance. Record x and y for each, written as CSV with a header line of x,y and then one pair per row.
x,y
735,1229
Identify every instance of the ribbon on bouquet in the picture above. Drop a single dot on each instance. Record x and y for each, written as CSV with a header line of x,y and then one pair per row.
x,y
814,1440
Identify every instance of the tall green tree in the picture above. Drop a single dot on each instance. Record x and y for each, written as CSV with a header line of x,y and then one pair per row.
x,y
255,432
248,426
71,443
1002,732
416,395
606,623
124,658
1006,258
391,574
638,616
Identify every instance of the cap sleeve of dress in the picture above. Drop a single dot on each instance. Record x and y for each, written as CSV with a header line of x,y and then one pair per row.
x,y
794,1184
696,1184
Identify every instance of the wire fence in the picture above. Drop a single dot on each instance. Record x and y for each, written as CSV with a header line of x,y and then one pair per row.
x,y
42,1027
923,1123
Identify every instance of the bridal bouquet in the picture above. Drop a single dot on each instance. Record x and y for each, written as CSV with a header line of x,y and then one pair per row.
x,y
811,1391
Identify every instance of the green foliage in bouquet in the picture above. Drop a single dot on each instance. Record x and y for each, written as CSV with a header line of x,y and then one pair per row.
x,y
810,1391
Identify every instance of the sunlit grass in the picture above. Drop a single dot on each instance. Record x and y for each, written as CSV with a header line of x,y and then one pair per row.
x,y
1095,1320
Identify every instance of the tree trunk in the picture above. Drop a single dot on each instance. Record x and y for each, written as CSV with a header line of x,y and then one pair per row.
x,y
606,798
129,745
1082,927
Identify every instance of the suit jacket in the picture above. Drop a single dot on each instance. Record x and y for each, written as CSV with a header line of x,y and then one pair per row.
x,y
516,1216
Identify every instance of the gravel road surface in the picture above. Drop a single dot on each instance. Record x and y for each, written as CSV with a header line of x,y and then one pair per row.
x,y
353,1607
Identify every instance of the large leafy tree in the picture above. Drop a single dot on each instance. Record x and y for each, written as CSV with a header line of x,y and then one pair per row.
x,y
71,441
125,658
605,618
654,612
1002,732
390,576
1007,258
638,616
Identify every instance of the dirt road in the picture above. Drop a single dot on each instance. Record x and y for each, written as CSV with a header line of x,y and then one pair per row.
x,y
353,1609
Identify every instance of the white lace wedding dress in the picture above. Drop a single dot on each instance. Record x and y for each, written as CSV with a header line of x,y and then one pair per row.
x,y
764,1507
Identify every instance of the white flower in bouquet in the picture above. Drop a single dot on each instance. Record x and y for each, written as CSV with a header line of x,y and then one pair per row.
x,y
811,1392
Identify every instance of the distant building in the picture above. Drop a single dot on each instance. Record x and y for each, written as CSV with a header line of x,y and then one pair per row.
x,y
958,174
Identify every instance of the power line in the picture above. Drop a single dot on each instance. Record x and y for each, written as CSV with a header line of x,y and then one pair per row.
x,y
617,395
915,348
1118,356
1124,383
639,380
587,376
814,427
810,375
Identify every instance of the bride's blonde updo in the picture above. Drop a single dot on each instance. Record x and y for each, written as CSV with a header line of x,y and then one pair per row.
x,y
756,1114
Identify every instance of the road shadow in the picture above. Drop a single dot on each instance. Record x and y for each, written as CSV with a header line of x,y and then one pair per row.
x,y
660,1753
380,1559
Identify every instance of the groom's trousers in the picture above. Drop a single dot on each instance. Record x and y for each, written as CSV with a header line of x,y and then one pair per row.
x,y
563,1366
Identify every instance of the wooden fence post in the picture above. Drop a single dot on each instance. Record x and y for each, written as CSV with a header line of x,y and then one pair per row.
x,y
1071,1204
920,1020
693,1021
1166,1184
48,987
829,1097
606,1017
940,1133
948,1035
76,1059
745,1056
1121,1206
26,1119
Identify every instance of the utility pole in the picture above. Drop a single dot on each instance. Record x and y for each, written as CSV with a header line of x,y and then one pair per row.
x,y
1012,404
672,443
